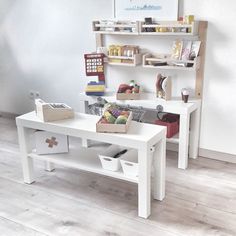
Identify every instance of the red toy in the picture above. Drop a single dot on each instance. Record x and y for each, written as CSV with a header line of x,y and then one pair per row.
x,y
171,121
94,65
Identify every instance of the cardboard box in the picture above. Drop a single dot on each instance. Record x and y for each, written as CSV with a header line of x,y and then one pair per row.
x,y
114,128
50,143
52,111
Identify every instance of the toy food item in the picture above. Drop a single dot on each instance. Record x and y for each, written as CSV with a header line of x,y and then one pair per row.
x,y
128,91
177,49
164,84
131,88
195,49
121,120
132,83
123,88
104,121
115,112
125,113
109,117
135,89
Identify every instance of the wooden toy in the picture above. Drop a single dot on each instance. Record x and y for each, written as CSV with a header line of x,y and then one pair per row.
x,y
95,88
114,120
163,87
128,92
127,54
94,65
52,111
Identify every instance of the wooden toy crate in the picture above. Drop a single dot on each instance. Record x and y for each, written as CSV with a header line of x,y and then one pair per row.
x,y
128,96
114,128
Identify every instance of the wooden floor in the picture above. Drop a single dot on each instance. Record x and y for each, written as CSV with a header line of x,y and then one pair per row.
x,y
200,200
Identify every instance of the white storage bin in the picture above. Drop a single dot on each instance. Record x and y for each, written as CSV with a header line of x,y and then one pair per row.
x,y
129,163
50,143
107,160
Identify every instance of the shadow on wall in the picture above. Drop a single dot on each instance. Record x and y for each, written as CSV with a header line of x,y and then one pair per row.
x,y
216,40
5,7
10,81
42,45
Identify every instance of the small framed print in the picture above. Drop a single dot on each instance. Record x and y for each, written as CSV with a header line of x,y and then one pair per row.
x,y
162,10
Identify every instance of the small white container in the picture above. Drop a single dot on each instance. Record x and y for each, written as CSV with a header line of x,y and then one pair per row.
x,y
50,143
107,160
129,163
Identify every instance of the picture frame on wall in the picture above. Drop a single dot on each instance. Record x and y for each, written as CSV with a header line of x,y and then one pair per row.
x,y
163,10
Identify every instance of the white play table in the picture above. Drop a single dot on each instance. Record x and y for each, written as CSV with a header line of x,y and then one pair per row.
x,y
188,137
149,140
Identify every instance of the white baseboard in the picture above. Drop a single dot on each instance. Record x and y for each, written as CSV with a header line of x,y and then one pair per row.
x,y
220,156
217,155
8,115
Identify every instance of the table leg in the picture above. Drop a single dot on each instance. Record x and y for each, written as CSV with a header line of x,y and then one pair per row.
x,y
27,162
49,166
83,107
194,134
183,142
159,163
144,183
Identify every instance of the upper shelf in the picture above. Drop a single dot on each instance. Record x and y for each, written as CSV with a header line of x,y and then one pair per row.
x,y
169,28
161,28
116,27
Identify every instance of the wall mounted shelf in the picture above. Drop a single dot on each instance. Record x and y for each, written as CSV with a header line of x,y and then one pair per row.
x,y
116,27
125,61
169,28
137,28
150,61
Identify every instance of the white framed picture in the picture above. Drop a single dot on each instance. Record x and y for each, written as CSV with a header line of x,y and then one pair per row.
x,y
163,10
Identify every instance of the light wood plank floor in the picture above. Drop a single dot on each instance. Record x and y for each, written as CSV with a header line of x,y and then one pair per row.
x,y
200,201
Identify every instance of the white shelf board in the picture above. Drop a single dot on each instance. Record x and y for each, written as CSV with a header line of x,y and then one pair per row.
x,y
174,139
83,159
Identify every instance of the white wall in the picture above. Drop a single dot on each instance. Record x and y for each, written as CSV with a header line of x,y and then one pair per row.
x,y
42,45
218,126
41,48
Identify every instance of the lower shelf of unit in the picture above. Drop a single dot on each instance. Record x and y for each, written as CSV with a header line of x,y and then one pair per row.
x,y
83,159
174,139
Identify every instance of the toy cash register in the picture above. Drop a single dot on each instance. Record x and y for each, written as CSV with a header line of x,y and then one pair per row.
x,y
52,111
94,65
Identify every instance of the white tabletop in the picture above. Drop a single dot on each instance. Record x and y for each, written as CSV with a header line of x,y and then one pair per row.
x,y
84,126
149,100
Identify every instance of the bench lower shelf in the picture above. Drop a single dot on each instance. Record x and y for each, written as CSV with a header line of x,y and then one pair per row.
x,y
83,159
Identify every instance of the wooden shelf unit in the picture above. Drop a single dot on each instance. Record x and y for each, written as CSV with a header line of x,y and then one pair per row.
x,y
198,28
169,28
149,60
118,27
134,61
